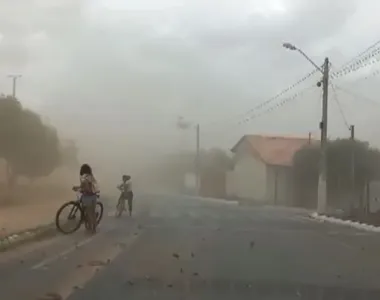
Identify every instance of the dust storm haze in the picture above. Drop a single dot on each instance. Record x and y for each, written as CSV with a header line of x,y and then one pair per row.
x,y
115,75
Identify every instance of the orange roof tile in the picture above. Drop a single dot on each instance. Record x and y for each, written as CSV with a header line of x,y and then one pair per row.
x,y
274,150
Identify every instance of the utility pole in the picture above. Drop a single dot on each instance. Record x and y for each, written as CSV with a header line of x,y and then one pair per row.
x,y
322,185
352,137
198,160
352,130
14,84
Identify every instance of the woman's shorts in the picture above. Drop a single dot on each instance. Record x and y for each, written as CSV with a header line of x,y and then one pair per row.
x,y
89,200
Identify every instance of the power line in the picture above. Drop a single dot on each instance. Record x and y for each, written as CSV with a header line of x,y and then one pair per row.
x,y
357,95
278,105
266,102
352,65
339,106
360,54
291,87
368,60
373,74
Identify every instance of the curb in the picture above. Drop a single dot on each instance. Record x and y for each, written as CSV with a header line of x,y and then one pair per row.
x,y
28,235
356,225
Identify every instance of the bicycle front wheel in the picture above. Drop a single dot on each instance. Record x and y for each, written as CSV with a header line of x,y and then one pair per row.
x,y
69,217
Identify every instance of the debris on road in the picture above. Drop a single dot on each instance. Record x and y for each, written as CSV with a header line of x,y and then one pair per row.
x,y
121,244
170,285
195,274
51,296
252,244
192,255
97,263
181,271
176,255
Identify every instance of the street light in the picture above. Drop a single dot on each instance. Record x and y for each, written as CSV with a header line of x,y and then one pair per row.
x,y
14,81
322,186
294,48
184,125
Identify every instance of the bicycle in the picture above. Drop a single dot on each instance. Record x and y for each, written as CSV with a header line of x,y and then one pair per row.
x,y
77,214
120,207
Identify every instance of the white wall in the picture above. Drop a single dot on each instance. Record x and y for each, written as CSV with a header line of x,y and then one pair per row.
x,y
248,178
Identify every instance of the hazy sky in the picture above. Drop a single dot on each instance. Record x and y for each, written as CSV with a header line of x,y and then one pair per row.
x,y
117,73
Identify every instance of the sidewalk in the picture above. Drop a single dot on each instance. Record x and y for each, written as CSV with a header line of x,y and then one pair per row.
x,y
22,217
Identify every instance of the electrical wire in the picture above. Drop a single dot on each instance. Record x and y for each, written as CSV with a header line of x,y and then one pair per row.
x,y
278,105
369,60
357,57
352,65
357,95
264,103
270,100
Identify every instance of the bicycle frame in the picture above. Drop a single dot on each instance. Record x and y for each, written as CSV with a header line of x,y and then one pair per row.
x,y
74,210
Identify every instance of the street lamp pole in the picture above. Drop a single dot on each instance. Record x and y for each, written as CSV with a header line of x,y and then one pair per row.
x,y
14,84
197,161
322,186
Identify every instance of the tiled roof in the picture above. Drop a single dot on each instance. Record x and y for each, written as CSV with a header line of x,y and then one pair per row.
x,y
274,150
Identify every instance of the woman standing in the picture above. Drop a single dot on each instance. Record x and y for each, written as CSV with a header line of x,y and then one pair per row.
x,y
89,190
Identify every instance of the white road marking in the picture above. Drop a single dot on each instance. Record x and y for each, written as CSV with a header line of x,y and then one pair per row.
x,y
53,258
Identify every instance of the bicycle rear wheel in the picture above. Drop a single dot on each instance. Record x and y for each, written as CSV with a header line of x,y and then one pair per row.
x,y
99,208
73,220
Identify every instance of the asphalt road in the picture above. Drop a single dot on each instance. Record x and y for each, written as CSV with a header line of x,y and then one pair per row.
x,y
188,248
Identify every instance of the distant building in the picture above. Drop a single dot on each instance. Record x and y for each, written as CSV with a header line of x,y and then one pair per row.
x,y
263,168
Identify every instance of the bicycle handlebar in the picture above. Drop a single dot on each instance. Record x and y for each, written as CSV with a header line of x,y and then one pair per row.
x,y
79,194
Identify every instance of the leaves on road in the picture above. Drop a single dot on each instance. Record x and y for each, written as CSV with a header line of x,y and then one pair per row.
x,y
96,263
176,255
121,245
51,296
130,282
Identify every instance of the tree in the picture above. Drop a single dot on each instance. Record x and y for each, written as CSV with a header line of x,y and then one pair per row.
x,y
343,156
29,147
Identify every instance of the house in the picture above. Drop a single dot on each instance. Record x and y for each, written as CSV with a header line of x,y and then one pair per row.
x,y
263,168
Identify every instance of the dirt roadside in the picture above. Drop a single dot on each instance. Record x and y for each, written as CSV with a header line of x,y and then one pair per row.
x,y
33,207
